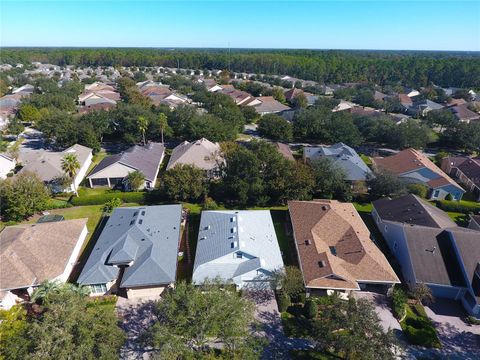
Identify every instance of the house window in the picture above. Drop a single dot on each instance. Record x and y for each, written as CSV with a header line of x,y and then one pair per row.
x,y
98,289
386,228
436,193
333,250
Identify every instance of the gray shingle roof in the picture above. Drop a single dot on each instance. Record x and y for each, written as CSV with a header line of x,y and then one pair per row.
x,y
147,238
146,159
410,209
344,157
432,254
48,164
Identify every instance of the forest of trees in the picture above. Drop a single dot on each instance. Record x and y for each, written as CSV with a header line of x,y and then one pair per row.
x,y
330,66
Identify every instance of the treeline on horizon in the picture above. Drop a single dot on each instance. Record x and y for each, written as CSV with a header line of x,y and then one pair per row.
x,y
411,68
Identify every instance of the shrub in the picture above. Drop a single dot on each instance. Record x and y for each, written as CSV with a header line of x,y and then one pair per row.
x,y
459,206
209,204
399,300
449,197
472,320
283,302
299,298
130,197
418,189
310,309
112,204
424,336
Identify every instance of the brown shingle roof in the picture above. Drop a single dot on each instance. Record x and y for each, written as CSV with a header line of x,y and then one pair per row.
x,y
410,160
30,254
334,246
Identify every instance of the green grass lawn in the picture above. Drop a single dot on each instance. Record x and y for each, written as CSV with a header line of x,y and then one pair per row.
x,y
366,159
418,328
460,219
295,326
284,236
92,212
363,207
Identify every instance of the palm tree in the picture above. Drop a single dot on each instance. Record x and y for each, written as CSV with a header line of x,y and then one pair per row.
x,y
423,294
142,123
162,119
135,179
42,292
48,288
70,165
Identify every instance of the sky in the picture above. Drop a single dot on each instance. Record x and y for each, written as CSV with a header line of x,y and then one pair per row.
x,y
381,24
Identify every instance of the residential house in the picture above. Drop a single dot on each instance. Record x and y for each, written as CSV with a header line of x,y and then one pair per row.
x,y
113,169
431,249
8,107
284,149
474,222
291,94
33,253
99,94
48,166
404,100
26,89
335,249
464,114
136,253
423,107
344,157
455,102
238,96
344,105
414,167
202,154
211,85
379,96
161,94
327,90
465,170
237,246
267,105
7,164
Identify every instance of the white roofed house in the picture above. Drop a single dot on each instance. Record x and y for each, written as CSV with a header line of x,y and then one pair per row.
x,y
7,164
202,154
237,246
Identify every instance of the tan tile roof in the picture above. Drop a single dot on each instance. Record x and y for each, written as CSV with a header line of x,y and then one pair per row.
x,y
32,253
410,160
334,246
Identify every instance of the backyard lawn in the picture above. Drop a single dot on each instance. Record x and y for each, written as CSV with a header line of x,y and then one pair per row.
x,y
92,212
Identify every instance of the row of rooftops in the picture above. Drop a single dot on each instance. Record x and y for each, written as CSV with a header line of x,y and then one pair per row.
x,y
146,239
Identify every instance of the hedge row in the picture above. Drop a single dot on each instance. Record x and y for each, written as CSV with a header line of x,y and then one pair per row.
x,y
127,197
459,206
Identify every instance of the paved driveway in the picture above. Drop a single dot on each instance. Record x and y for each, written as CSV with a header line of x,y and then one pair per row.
x,y
137,316
382,308
267,314
459,340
